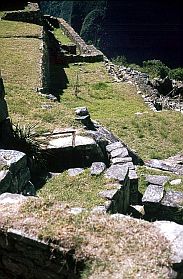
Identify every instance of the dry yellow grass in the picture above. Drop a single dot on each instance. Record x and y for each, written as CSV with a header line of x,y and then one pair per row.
x,y
20,29
113,246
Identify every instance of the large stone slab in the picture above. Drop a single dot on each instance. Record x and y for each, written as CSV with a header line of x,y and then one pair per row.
x,y
63,142
173,199
172,207
171,164
113,146
117,172
9,198
75,171
5,180
153,194
108,194
157,179
14,174
64,152
13,159
174,233
119,152
121,160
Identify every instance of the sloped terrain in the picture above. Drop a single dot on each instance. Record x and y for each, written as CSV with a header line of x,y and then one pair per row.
x,y
121,248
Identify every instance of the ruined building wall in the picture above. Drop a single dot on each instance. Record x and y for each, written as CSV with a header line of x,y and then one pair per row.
x,y
31,15
22,256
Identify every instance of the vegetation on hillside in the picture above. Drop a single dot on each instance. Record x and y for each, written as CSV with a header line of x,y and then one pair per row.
x,y
155,68
111,246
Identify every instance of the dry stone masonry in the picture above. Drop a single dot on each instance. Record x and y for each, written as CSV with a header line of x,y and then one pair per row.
x,y
160,203
14,173
22,256
158,94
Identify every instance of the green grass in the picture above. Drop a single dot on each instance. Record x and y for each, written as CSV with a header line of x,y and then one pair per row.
x,y
152,135
81,190
143,171
59,34
111,104
15,28
112,247
115,104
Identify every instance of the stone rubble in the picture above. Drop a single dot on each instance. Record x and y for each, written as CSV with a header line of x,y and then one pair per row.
x,y
14,173
97,168
160,203
158,94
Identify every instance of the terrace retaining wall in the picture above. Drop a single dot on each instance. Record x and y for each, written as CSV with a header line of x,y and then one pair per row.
x,y
22,256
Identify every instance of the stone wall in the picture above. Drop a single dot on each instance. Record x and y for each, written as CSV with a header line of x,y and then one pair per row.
x,y
14,173
5,125
45,63
87,53
3,105
31,15
22,256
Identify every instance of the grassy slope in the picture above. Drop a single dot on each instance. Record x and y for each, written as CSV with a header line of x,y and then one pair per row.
x,y
152,135
113,105
59,34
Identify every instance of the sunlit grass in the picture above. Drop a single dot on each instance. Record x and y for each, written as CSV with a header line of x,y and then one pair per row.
x,y
59,34
16,28
82,190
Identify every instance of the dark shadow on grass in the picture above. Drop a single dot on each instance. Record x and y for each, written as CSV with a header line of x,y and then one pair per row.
x,y
58,77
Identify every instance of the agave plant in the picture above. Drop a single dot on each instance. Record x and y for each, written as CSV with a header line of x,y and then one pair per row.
x,y
24,140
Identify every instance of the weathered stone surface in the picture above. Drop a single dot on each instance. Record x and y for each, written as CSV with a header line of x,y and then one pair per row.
x,y
8,198
15,174
97,168
133,175
82,111
174,233
27,257
134,195
153,194
121,160
176,181
173,199
113,146
172,164
157,179
13,159
63,142
5,180
108,194
75,171
119,152
117,172
158,164
129,165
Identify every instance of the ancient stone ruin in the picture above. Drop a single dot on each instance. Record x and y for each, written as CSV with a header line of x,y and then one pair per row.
x,y
97,149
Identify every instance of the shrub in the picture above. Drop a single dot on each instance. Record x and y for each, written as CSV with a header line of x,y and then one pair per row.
x,y
176,74
120,60
91,27
156,68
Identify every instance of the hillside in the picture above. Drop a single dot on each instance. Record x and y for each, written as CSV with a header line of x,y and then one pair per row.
x,y
138,30
86,244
